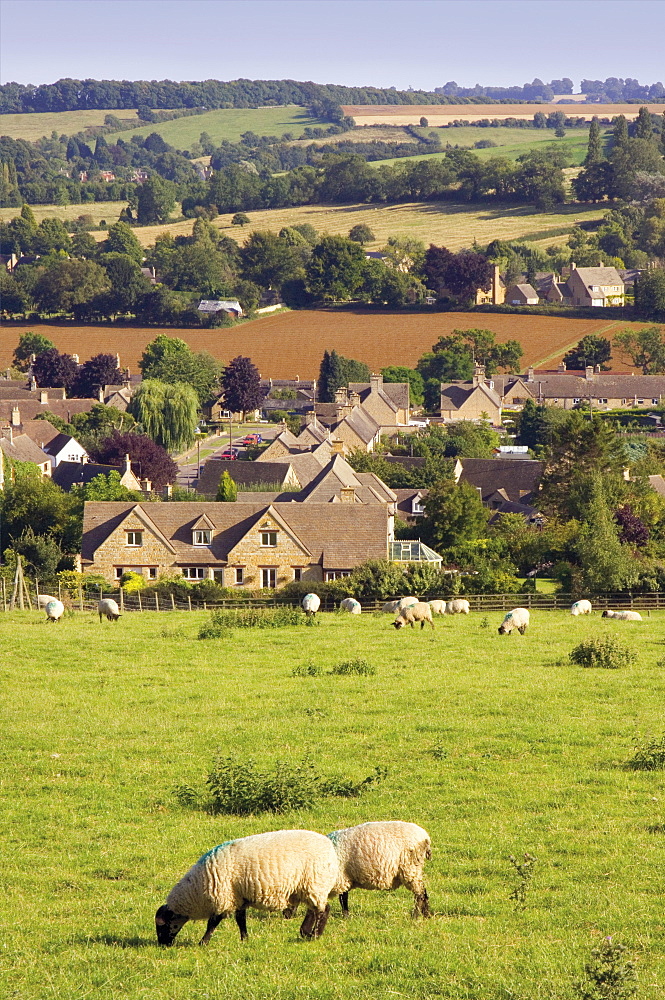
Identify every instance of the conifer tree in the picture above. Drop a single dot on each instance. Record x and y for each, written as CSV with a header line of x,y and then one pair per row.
x,y
620,132
606,564
594,149
227,491
643,126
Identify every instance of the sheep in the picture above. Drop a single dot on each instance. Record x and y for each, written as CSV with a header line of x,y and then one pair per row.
x,y
351,605
43,600
407,602
517,618
270,871
419,612
109,608
383,855
623,616
438,607
311,604
390,607
581,608
54,610
457,607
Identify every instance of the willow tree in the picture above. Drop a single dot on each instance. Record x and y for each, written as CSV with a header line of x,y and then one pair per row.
x,y
167,412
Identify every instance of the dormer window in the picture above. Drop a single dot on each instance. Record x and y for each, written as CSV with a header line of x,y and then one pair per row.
x,y
135,538
268,539
202,536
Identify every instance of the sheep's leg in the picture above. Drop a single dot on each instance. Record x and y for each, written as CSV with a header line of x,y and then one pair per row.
x,y
522,629
291,909
308,926
421,904
212,923
344,903
241,920
321,921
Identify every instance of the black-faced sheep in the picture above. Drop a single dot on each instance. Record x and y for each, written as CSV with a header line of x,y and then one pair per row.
x,y
623,616
518,619
419,612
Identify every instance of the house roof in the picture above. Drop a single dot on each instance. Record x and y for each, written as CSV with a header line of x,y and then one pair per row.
x,y
455,394
68,474
23,449
42,432
406,461
242,473
597,276
337,536
528,291
602,385
515,479
30,408
365,389
658,484
361,424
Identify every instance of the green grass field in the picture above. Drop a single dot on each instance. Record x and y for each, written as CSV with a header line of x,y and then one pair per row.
x,y
227,123
497,745
34,126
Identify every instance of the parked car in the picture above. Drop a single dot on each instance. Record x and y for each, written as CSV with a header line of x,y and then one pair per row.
x,y
250,439
229,453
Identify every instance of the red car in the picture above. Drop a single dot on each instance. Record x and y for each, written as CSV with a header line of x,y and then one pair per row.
x,y
251,439
229,453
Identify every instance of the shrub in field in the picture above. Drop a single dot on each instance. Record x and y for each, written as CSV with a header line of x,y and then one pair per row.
x,y
525,870
649,755
607,652
240,787
608,975
310,669
357,666
222,620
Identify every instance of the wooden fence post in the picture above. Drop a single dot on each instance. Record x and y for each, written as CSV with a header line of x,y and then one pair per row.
x,y
156,602
80,597
4,595
189,601
139,597
172,602
122,599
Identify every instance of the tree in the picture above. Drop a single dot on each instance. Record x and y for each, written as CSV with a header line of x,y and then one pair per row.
x,y
170,359
606,564
121,239
424,122
155,200
85,246
107,487
594,149
148,459
591,350
336,371
643,129
168,413
459,275
268,260
51,235
41,554
453,514
94,374
29,344
227,491
620,132
336,268
533,425
68,285
399,373
54,370
30,500
650,294
645,348
360,233
241,386
240,219
128,283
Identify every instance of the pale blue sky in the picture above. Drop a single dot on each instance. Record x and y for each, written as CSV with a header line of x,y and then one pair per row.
x,y
402,43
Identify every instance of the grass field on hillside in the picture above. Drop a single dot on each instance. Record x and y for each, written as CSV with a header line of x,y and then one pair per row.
x,y
227,123
515,143
34,126
497,745
109,210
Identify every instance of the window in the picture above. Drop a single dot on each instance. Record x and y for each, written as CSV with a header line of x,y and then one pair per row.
x,y
240,574
269,578
656,400
134,538
417,507
576,399
193,572
297,573
152,572
332,574
269,539
640,402
602,401
118,572
203,536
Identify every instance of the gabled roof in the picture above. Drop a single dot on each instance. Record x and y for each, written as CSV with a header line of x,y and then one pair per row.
x,y
527,290
597,275
42,432
22,449
361,424
491,475
242,473
68,474
365,389
29,408
203,522
456,394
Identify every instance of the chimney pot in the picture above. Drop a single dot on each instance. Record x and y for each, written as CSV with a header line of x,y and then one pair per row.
x,y
43,396
336,447
588,371
75,358
16,416
128,465
347,494
530,374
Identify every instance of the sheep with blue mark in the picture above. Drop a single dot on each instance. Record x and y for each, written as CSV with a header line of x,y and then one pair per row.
x,y
351,605
54,610
269,871
311,604
517,619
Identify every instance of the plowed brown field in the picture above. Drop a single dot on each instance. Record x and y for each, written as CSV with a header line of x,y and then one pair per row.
x,y
292,343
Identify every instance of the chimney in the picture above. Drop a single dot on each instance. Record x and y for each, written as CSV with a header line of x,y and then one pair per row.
x,y
573,266
84,458
354,398
336,447
600,264
127,466
347,494
478,374
562,367
167,492
117,360
146,485
43,396
496,285
33,384
100,394
341,396
597,370
343,411
376,381
16,416
530,374
588,372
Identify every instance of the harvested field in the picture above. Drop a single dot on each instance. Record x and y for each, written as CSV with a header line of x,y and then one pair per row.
x,y
292,343
443,114
34,126
108,210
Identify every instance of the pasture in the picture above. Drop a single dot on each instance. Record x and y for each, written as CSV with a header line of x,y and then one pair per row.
x,y
34,126
515,142
292,343
497,745
99,210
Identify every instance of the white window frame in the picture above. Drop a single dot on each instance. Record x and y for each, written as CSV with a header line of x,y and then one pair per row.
x,y
193,572
240,576
336,574
268,544
268,573
202,536
133,534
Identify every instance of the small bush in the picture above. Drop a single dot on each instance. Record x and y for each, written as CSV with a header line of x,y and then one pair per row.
x,y
607,652
310,669
648,756
358,666
608,976
525,870
242,788
224,619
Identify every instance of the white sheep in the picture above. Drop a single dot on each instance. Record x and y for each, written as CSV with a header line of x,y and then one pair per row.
x,y
406,602
419,612
108,607
54,609
351,605
43,600
270,871
438,607
311,604
518,619
623,616
581,608
458,606
390,607
383,855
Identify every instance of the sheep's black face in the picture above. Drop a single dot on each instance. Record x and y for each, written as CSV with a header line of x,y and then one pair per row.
x,y
168,924
502,630
398,624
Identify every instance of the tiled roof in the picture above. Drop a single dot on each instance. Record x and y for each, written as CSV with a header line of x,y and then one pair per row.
x,y
598,275
240,473
338,536
361,424
603,385
42,432
406,461
68,474
30,408
516,479
457,393
22,449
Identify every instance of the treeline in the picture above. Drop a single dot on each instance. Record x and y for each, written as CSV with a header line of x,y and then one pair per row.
x,y
80,95
612,90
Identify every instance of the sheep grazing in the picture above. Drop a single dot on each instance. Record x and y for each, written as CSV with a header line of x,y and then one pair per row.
x,y
270,871
43,600
109,608
383,855
390,607
438,607
518,619
54,610
581,608
419,612
458,606
351,605
311,604
623,616
406,602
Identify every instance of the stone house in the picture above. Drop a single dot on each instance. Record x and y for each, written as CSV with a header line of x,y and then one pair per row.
x,y
20,448
69,474
471,399
237,544
522,295
604,390
495,294
387,402
595,286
